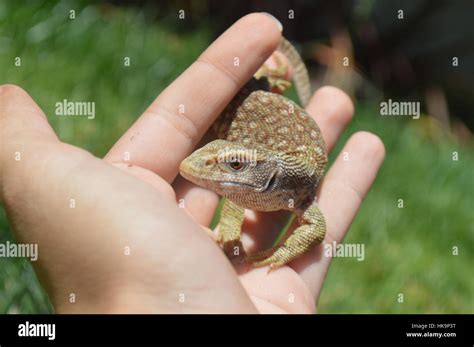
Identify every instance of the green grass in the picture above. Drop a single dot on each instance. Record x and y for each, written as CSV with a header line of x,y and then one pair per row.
x,y
407,250
410,250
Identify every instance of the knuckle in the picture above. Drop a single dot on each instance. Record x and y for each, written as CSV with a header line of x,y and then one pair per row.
x,y
182,124
208,61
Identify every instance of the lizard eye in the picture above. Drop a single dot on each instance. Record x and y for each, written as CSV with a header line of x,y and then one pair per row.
x,y
236,165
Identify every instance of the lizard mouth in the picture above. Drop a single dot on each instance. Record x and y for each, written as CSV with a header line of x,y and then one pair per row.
x,y
269,184
227,184
205,182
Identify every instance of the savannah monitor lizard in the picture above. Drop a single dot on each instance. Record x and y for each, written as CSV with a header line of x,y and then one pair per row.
x,y
269,156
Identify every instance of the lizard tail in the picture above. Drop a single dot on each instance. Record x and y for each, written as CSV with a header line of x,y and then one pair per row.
x,y
300,73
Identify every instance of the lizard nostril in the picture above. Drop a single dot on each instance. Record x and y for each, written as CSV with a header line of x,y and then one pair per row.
x,y
210,162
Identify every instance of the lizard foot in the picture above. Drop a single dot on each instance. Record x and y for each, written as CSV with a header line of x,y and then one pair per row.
x,y
277,76
311,232
278,84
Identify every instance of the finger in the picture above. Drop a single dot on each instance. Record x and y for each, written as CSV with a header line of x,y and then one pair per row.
x,y
23,127
172,126
332,109
340,197
21,117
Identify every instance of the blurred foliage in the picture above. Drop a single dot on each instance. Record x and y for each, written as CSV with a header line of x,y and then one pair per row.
x,y
407,250
405,57
83,59
405,54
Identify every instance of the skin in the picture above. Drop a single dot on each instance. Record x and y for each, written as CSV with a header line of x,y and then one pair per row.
x,y
133,203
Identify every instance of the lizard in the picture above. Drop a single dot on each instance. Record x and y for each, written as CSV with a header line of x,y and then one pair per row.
x,y
269,155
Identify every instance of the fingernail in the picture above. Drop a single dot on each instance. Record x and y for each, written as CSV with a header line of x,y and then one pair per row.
x,y
278,23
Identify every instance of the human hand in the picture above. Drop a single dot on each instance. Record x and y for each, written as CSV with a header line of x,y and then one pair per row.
x,y
83,250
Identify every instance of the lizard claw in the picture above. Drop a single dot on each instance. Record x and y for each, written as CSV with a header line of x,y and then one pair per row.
x,y
273,267
271,261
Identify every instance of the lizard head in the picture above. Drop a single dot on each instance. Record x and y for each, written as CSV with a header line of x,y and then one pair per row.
x,y
231,169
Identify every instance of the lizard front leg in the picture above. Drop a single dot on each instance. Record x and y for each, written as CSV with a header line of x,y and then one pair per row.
x,y
310,232
232,217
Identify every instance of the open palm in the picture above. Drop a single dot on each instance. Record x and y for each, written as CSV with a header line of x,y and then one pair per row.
x,y
127,246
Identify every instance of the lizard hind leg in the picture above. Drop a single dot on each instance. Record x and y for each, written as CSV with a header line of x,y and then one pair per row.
x,y
311,232
277,76
259,255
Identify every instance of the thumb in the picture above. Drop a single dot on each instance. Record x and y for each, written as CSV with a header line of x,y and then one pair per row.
x,y
21,117
23,128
